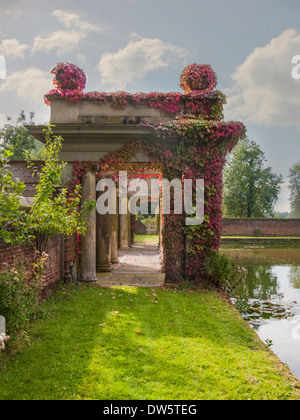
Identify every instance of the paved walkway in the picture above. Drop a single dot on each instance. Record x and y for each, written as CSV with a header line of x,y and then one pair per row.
x,y
139,266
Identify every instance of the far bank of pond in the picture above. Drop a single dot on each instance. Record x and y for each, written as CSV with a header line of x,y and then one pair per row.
x,y
270,298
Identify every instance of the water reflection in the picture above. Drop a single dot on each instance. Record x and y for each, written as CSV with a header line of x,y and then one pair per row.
x,y
295,277
273,276
261,283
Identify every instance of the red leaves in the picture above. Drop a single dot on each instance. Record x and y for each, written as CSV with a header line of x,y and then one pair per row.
x,y
204,139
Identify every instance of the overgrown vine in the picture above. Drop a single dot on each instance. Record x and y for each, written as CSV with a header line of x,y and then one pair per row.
x,y
192,146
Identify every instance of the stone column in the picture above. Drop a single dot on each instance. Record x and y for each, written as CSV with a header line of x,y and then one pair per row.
x,y
104,232
88,241
123,221
114,237
129,229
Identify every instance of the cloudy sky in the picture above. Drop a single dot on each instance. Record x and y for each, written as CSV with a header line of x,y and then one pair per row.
x,y
143,45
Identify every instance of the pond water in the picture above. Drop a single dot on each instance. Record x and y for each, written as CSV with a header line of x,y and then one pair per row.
x,y
270,298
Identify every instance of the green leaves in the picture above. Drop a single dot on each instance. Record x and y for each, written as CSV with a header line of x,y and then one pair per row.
x,y
56,210
12,216
17,139
250,188
294,177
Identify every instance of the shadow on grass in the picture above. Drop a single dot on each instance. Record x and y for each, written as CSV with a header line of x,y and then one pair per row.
x,y
131,343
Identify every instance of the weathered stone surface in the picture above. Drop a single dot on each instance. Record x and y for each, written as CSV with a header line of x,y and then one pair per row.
x,y
88,241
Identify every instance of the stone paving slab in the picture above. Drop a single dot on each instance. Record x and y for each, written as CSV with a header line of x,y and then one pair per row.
x,y
138,266
133,279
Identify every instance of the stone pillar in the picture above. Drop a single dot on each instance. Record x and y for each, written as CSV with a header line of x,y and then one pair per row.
x,y
88,240
123,221
114,237
104,232
129,229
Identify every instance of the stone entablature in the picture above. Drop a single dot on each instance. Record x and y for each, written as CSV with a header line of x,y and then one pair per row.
x,y
97,113
134,108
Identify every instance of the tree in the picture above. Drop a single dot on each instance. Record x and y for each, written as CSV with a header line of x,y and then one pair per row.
x,y
250,188
55,210
18,140
13,227
294,177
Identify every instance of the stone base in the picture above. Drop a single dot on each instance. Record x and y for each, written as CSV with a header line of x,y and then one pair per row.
x,y
87,280
104,268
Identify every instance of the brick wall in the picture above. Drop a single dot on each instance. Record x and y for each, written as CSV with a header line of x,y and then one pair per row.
x,y
60,253
261,227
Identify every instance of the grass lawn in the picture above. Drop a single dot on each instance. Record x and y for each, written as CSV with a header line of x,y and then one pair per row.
x,y
132,343
138,237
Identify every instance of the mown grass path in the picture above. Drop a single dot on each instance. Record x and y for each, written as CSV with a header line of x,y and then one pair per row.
x,y
142,344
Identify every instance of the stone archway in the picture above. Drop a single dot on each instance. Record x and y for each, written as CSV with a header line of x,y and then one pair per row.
x,y
118,257
184,134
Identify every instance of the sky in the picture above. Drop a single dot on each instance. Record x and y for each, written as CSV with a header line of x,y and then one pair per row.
x,y
143,45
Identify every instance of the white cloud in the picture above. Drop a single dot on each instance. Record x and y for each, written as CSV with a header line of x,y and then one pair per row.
x,y
12,48
61,41
65,41
29,85
73,20
264,91
137,59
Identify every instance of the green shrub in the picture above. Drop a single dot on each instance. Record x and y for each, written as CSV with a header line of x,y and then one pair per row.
x,y
19,296
225,272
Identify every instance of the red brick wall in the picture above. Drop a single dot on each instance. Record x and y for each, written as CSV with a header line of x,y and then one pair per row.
x,y
60,253
261,227
11,256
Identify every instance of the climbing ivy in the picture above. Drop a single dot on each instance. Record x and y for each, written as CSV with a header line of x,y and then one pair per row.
x,y
191,146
